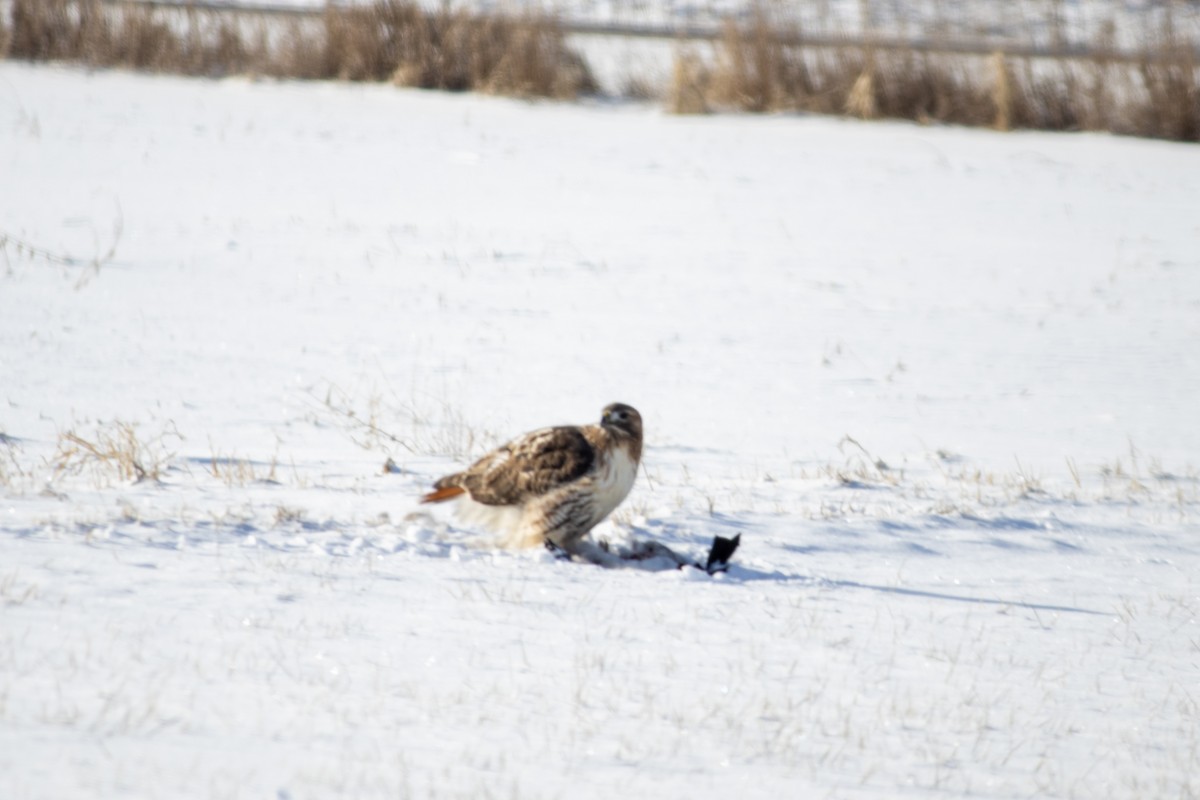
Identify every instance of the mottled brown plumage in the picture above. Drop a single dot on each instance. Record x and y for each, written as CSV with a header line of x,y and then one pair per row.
x,y
526,467
552,484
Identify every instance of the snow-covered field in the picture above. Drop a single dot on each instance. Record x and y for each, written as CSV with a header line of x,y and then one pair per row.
x,y
943,382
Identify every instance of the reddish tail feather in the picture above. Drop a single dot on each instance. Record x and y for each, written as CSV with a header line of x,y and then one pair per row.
x,y
445,493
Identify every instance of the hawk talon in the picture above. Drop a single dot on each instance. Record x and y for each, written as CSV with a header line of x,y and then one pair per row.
x,y
556,550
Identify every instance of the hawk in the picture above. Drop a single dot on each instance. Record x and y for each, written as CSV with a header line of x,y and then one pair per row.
x,y
553,485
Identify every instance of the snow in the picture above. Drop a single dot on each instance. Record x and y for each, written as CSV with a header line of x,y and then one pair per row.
x,y
942,381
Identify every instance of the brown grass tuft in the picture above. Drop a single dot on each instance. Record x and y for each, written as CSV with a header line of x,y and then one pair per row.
x,y
860,102
687,93
756,71
927,88
89,32
114,450
1170,107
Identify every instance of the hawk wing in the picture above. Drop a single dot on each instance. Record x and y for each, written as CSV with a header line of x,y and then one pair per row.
x,y
530,466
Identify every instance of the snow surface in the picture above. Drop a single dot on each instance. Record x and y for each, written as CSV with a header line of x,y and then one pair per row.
x,y
942,381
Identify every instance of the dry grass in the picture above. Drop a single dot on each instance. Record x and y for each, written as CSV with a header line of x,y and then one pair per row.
x,y
1170,105
234,471
689,89
138,38
759,67
11,469
394,426
755,70
114,450
391,40
21,249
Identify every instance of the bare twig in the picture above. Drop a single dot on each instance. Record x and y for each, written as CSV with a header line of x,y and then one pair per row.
x,y
23,248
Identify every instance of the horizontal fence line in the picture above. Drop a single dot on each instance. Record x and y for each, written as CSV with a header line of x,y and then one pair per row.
x,y
712,33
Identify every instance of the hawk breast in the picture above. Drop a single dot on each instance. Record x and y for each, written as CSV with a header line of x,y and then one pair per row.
x,y
614,480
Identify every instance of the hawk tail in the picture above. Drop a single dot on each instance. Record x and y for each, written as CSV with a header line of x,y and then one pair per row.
x,y
442,494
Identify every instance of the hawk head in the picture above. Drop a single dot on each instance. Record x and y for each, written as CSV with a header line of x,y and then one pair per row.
x,y
623,418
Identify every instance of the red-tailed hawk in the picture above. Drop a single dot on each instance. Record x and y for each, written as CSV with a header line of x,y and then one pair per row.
x,y
551,486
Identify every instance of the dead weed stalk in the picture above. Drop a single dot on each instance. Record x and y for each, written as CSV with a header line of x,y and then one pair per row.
x,y
15,247
11,468
114,450
429,428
